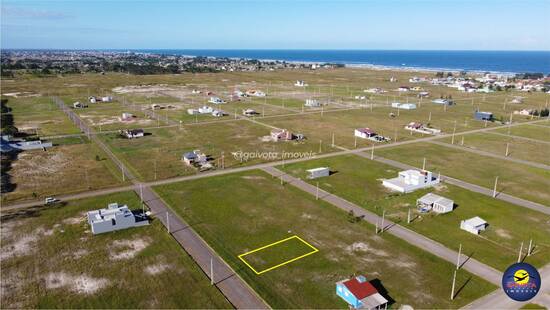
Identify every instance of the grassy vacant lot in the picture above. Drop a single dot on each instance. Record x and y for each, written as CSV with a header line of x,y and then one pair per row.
x,y
71,165
537,132
41,113
240,212
496,144
359,181
50,259
164,147
515,179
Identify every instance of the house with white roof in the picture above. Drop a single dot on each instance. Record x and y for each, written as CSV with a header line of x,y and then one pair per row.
x,y
435,203
474,225
312,103
216,100
318,172
205,110
410,180
300,83
114,217
359,293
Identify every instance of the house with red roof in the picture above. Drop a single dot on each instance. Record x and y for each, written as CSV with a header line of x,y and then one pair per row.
x,y
364,133
360,293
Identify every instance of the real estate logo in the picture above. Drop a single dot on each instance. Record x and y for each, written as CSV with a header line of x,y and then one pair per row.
x,y
521,281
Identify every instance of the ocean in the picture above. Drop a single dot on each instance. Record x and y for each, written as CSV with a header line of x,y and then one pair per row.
x,y
492,61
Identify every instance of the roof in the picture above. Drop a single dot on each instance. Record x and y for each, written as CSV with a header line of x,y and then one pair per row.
x,y
317,169
433,198
475,221
415,125
365,130
190,155
360,287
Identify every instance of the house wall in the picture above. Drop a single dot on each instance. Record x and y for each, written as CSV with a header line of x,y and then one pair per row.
x,y
342,291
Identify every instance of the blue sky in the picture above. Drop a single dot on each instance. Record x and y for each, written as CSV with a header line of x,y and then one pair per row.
x,y
383,24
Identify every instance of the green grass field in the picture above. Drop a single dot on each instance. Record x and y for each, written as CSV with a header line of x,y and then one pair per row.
x,y
241,212
71,165
515,179
165,146
358,180
50,259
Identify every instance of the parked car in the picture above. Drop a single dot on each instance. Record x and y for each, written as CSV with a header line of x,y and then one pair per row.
x,y
50,200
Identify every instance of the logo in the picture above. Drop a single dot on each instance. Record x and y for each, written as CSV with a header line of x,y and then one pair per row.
x,y
521,282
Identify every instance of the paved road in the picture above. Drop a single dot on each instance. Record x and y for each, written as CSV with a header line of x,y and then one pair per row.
x,y
226,279
499,300
479,189
489,154
472,265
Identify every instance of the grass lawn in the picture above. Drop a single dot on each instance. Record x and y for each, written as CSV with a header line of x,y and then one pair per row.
x,y
359,181
71,165
165,146
40,113
50,259
496,144
241,212
536,132
514,179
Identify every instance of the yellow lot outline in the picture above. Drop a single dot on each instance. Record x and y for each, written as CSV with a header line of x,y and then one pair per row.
x,y
314,250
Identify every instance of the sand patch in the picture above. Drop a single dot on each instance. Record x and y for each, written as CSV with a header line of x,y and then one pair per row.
x,y
81,284
23,246
253,177
364,247
126,249
157,268
503,233
74,220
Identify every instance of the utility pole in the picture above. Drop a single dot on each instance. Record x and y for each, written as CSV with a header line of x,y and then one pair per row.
x,y
355,142
530,248
507,149
372,153
167,222
424,164
453,288
458,256
495,188
453,137
333,139
430,116
320,146
383,217
317,192
211,271
409,216
520,252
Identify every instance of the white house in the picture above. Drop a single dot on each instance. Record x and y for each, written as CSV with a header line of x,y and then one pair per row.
x,y
443,101
435,203
403,106
376,90
525,112
411,180
403,89
318,172
192,111
79,105
249,112
300,83
132,133
313,103
474,225
127,116
107,99
205,110
216,100
196,157
218,113
114,217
